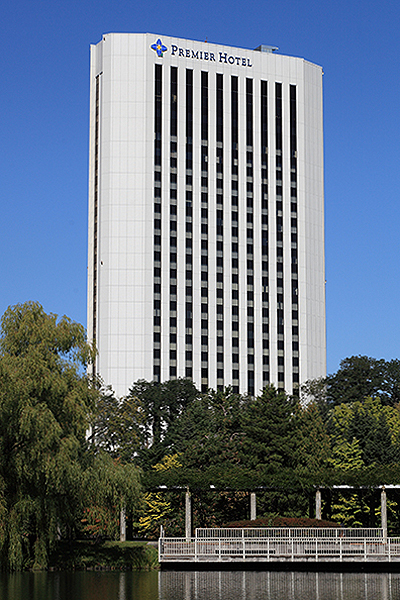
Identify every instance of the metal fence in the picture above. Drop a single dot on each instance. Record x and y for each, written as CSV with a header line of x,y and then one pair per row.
x,y
288,532
270,549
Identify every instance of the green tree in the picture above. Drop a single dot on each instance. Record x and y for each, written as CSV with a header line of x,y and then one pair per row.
x,y
314,391
45,408
118,426
156,407
391,382
314,448
213,449
209,433
378,446
373,425
269,426
111,486
359,377
349,509
347,456
208,436
271,452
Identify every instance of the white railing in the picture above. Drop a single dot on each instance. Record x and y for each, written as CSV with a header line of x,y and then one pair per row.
x,y
273,549
288,532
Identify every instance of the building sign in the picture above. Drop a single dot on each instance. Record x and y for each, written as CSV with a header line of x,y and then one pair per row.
x,y
220,57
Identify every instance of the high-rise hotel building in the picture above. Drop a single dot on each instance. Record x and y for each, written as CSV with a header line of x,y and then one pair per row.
x,y
206,214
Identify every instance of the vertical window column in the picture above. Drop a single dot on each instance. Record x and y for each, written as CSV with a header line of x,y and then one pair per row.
x,y
250,236
204,232
96,214
279,234
173,177
188,227
293,236
220,233
264,231
157,224
235,231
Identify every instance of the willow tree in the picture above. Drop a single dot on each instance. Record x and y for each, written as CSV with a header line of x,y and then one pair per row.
x,y
45,408
112,491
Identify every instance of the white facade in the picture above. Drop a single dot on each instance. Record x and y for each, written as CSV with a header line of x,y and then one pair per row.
x,y
206,214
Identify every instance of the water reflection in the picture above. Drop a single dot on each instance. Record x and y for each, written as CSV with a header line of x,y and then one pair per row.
x,y
247,585
237,585
79,586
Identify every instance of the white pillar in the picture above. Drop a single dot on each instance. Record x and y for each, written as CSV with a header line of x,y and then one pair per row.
x,y
318,505
188,514
122,524
253,506
384,511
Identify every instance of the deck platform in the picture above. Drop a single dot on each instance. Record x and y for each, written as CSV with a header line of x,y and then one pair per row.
x,y
281,546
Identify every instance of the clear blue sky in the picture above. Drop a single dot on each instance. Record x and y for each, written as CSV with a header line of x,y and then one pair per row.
x,y
44,137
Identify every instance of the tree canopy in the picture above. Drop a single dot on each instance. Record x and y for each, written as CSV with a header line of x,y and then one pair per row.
x,y
73,455
46,407
360,377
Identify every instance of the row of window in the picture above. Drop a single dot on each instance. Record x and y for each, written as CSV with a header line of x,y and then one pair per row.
x,y
294,249
208,329
157,223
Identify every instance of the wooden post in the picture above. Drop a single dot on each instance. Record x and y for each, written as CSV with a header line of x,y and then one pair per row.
x,y
384,512
122,524
253,506
318,504
188,514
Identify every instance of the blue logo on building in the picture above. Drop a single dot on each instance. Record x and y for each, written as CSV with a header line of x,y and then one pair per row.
x,y
159,47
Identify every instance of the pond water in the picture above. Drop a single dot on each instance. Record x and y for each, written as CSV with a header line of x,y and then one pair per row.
x,y
234,585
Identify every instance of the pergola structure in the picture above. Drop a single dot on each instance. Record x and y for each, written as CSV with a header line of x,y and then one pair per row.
x,y
253,504
318,504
